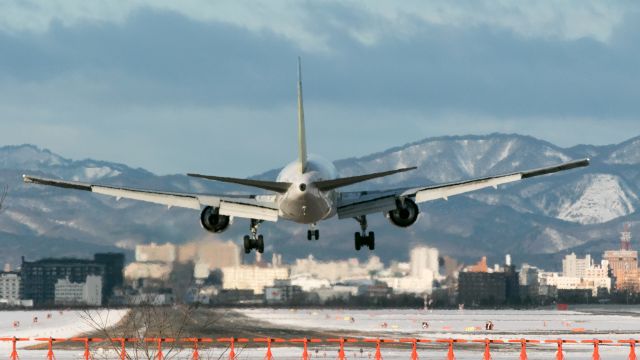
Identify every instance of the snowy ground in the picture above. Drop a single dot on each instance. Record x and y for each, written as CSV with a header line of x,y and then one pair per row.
x,y
469,324
611,323
57,324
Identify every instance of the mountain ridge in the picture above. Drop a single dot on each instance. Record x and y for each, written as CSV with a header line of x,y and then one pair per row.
x,y
581,209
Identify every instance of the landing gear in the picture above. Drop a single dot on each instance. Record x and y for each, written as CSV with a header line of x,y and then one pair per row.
x,y
362,238
254,241
313,233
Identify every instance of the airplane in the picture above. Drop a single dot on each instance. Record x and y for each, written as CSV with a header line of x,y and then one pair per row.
x,y
307,191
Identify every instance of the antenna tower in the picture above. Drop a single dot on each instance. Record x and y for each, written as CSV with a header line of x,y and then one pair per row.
x,y
625,238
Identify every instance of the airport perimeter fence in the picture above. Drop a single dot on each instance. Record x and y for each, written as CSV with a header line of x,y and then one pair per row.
x,y
195,345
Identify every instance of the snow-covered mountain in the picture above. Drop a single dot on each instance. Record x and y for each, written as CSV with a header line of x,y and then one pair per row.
x,y
535,220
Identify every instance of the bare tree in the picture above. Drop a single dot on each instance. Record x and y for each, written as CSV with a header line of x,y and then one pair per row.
x,y
149,321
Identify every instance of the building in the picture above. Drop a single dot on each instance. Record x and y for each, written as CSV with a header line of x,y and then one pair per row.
x,y
148,270
88,292
593,284
9,287
254,278
572,266
417,276
282,292
308,283
336,271
424,262
39,278
113,272
154,252
529,279
623,264
481,266
482,288
211,254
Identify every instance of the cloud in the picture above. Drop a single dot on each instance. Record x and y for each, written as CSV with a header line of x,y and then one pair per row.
x,y
204,86
297,21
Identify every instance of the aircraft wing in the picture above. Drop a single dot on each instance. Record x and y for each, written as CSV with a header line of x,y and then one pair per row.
x,y
358,203
261,207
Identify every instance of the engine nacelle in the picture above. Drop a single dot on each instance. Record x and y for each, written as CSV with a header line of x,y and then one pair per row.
x,y
212,221
405,215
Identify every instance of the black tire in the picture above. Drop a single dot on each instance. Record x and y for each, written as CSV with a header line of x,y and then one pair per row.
x,y
372,241
317,234
247,244
260,244
358,241
309,235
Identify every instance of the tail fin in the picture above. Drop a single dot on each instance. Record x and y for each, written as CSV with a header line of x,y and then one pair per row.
x,y
302,139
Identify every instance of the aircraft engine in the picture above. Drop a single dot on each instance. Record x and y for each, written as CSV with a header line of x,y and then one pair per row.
x,y
405,215
212,221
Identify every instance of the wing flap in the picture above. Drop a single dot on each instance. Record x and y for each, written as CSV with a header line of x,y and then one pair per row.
x,y
367,207
184,201
248,211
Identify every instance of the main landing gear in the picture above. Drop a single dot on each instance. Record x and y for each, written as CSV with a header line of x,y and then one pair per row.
x,y
313,233
361,238
254,241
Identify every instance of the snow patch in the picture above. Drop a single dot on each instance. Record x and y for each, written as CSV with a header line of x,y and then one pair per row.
x,y
628,155
94,173
603,199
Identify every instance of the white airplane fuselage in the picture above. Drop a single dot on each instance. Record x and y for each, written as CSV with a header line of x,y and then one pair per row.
x,y
303,202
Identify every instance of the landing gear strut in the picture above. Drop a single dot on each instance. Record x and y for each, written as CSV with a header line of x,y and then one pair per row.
x,y
254,241
313,233
361,238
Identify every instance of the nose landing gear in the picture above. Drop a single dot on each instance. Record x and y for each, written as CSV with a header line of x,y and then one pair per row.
x,y
362,238
313,233
254,241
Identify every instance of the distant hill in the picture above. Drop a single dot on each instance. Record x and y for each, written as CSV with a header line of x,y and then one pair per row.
x,y
537,220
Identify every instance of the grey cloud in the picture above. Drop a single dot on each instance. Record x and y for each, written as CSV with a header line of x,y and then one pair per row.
x,y
156,57
160,78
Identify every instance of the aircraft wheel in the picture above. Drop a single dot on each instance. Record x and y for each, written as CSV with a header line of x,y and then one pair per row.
x,y
317,234
247,244
372,240
260,244
358,241
309,235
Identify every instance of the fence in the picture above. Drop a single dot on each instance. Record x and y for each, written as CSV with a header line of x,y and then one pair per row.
x,y
195,345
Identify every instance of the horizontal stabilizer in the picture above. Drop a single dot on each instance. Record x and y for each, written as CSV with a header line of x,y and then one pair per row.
x,y
280,187
327,185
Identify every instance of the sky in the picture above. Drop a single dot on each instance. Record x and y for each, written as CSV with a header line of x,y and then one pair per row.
x,y
210,86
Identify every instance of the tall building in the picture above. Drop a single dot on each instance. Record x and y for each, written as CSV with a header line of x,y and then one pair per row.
x,y
573,266
424,262
113,272
624,264
40,277
529,281
9,287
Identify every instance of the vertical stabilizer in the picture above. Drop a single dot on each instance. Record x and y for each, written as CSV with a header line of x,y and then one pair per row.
x,y
302,139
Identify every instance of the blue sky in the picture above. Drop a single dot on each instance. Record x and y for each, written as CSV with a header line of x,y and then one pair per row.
x,y
209,87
